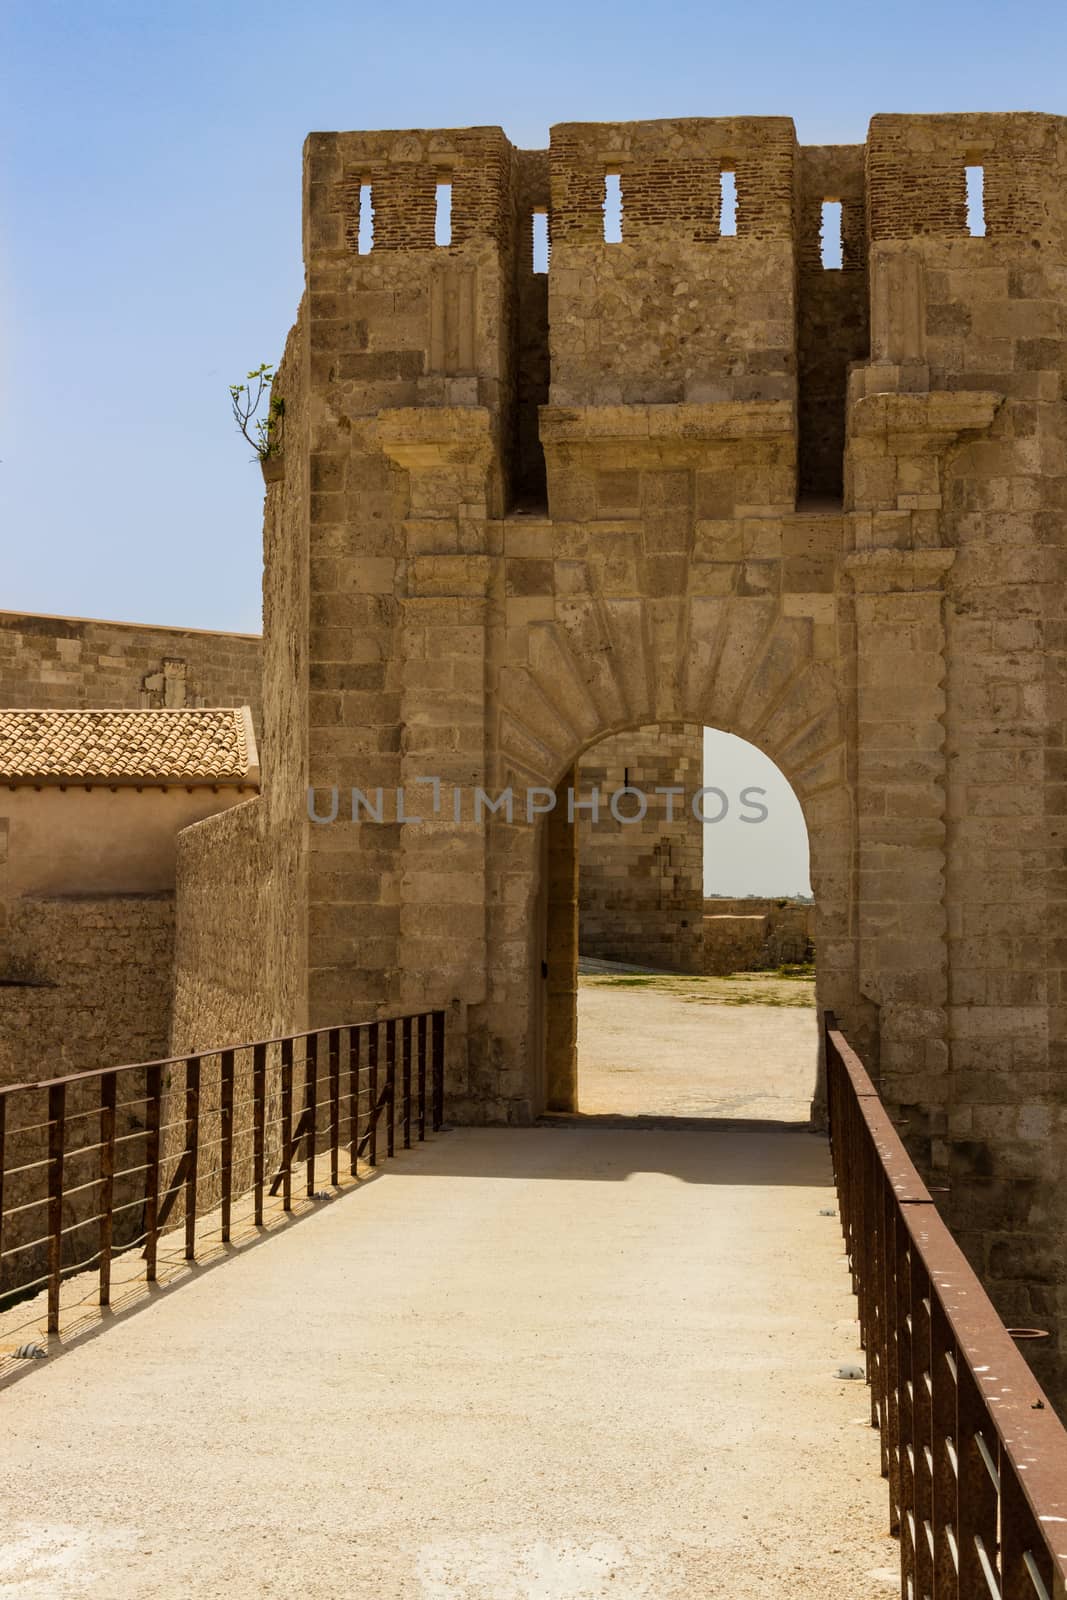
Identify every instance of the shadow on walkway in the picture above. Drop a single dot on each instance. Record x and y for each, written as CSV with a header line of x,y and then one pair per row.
x,y
703,1151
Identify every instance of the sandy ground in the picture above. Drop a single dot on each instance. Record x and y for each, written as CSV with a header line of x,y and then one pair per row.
x,y
741,1047
546,1364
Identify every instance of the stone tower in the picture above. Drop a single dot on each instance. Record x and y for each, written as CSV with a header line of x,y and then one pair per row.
x,y
699,475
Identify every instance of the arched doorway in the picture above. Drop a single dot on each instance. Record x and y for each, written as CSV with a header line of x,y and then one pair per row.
x,y
675,893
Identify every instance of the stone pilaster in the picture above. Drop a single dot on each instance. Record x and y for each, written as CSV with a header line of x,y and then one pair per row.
x,y
901,795
448,455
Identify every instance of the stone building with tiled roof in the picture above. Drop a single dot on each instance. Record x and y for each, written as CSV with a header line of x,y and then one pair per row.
x,y
144,748
91,802
91,806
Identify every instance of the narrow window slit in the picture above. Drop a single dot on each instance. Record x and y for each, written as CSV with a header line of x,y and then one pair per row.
x,y
540,241
976,202
612,208
830,234
366,220
727,203
442,222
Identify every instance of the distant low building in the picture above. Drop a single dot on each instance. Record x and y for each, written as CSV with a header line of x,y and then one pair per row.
x,y
91,805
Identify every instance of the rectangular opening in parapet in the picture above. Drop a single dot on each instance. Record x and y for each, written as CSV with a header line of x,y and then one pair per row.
x,y
540,241
366,220
727,203
976,202
442,222
612,208
830,234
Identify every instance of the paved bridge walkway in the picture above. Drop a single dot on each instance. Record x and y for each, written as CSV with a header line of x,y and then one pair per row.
x,y
548,1364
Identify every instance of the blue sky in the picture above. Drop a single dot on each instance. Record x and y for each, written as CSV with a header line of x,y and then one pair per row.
x,y
151,196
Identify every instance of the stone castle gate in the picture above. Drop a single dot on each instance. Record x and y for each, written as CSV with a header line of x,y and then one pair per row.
x,y
701,474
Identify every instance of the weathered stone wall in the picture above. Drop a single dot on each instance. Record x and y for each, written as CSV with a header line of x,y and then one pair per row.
x,y
235,975
240,967
411,344
632,321
899,656
748,935
84,982
957,467
725,905
76,661
734,943
640,883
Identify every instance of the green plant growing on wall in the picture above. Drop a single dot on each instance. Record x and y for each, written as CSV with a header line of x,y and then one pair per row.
x,y
262,428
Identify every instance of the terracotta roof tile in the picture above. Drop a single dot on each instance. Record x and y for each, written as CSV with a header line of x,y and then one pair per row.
x,y
106,747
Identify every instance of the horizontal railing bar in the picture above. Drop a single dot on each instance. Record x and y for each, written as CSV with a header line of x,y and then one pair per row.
x,y
205,1055
893,1231
18,1249
894,1158
27,1205
199,1164
23,1289
29,1166
1026,1424
79,1188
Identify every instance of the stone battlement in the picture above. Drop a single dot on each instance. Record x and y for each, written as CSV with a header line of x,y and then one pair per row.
x,y
425,290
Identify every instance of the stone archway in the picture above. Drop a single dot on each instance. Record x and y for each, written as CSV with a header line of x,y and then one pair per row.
x,y
625,882
748,668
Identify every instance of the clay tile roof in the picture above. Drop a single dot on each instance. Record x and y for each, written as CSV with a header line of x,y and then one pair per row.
x,y
109,747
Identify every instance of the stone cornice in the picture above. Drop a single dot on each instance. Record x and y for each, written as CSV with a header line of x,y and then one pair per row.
x,y
436,436
656,429
942,414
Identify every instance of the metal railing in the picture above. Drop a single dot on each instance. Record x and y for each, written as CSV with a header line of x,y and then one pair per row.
x,y
975,1455
114,1159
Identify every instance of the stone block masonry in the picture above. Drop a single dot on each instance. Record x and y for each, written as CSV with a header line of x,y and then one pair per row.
x,y
818,506
70,662
640,882
85,982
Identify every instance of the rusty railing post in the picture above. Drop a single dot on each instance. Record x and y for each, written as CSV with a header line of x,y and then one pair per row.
x,y
422,1075
390,1085
977,1530
192,1151
311,1104
57,1136
372,1091
153,1117
287,1125
404,1084
226,1098
259,1123
335,1104
438,1071
945,1484
108,1098
3,1169
406,1040
353,1097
